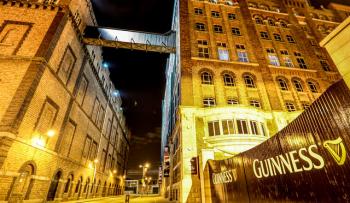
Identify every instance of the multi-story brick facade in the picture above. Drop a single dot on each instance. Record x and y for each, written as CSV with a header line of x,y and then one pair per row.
x,y
62,132
243,71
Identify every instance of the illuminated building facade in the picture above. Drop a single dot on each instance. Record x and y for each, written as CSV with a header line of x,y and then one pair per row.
x,y
62,130
243,70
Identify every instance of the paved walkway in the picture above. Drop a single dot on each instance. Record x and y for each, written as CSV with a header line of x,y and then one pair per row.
x,y
121,199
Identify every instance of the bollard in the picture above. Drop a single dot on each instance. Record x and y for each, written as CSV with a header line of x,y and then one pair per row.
x,y
127,198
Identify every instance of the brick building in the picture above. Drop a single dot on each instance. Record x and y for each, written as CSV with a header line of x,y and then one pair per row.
x,y
243,71
62,130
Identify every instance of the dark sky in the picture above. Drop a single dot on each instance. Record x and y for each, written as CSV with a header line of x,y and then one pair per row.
x,y
138,75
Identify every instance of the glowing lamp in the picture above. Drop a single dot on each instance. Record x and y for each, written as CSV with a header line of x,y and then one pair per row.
x,y
51,133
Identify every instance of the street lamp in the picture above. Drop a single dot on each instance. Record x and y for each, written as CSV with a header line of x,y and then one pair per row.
x,y
144,170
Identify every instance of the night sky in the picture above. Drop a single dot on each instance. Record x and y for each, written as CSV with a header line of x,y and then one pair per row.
x,y
139,75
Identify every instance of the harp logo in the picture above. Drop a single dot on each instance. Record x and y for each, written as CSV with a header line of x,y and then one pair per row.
x,y
337,149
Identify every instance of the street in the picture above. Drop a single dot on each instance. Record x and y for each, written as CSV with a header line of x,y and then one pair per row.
x,y
121,199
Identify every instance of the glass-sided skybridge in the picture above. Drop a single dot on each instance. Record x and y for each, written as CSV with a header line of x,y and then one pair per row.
x,y
127,39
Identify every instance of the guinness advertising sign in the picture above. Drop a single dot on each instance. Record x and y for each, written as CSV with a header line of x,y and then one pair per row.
x,y
308,161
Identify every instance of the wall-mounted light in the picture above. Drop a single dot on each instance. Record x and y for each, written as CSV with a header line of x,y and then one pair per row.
x,y
51,133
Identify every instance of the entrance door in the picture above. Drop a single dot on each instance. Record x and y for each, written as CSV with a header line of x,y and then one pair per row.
x,y
53,187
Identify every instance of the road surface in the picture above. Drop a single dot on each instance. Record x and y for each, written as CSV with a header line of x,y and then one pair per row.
x,y
121,199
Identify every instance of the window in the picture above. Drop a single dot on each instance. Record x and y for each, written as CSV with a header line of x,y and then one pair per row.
x,y
232,101
284,52
255,103
231,16
203,42
198,11
290,107
223,54
242,56
273,60
325,65
200,27
270,50
87,146
288,62
306,106
66,65
271,22
259,21
284,24
263,129
218,29
277,37
221,44
242,127
312,87
228,127
68,183
46,118
236,31
214,128
264,35
215,14
313,42
249,81
254,127
203,50
209,102
290,39
301,63
207,78
298,86
283,84
67,138
228,80
95,110
82,90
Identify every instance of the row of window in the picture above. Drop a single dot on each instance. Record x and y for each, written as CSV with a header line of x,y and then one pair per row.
x,y
259,20
229,80
236,126
215,14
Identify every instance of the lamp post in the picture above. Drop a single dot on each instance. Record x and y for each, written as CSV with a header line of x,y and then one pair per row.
x,y
144,170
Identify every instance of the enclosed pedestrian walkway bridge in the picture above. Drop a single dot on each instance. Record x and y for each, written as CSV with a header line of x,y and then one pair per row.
x,y
127,39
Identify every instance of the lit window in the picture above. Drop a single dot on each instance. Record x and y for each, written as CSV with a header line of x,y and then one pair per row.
x,y
242,56
277,37
207,78
312,87
254,127
249,81
274,60
236,31
223,54
232,16
228,127
215,14
228,80
242,127
290,107
325,65
288,62
283,84
218,29
214,128
290,39
264,35
200,27
198,11
298,86
209,102
255,103
232,102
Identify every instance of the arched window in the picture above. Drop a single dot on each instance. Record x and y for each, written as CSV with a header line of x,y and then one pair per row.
x,y
258,20
86,185
298,86
68,183
22,184
312,86
77,187
249,81
271,22
229,80
207,78
283,84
